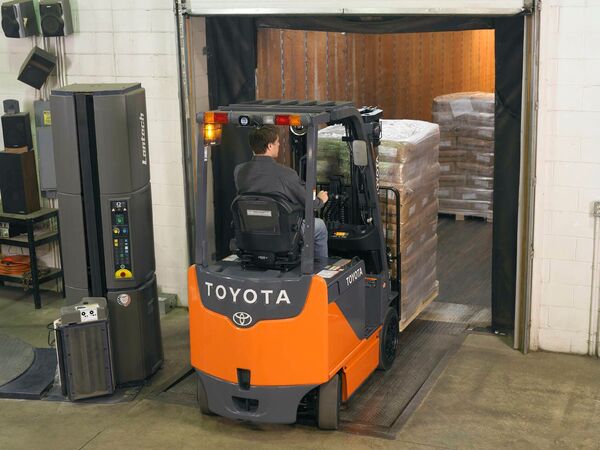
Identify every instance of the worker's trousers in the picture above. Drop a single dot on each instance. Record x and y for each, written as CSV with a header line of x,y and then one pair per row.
x,y
321,250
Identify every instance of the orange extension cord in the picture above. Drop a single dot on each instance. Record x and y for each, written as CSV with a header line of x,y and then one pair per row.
x,y
15,265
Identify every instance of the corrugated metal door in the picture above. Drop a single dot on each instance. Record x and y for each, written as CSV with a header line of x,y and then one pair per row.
x,y
347,7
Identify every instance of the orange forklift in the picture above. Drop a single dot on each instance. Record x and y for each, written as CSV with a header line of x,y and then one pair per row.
x,y
272,330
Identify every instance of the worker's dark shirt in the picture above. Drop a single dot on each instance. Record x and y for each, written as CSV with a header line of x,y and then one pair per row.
x,y
264,175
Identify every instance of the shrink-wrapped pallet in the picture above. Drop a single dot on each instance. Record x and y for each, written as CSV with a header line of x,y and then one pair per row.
x,y
407,161
466,153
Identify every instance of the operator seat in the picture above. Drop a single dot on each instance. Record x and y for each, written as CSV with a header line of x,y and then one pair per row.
x,y
268,231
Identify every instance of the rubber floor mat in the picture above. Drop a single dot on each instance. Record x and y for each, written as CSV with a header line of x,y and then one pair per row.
x,y
36,380
183,391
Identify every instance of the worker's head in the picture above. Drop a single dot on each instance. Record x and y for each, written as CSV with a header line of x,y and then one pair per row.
x,y
264,141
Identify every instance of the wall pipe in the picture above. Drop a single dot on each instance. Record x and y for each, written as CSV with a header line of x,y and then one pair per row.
x,y
593,345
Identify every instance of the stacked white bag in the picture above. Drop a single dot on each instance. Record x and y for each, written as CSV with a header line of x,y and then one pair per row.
x,y
466,122
407,161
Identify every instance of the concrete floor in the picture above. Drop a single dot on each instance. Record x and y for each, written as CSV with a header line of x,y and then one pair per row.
x,y
489,396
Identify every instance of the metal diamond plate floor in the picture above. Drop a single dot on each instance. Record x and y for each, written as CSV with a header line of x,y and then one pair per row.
x,y
381,400
377,407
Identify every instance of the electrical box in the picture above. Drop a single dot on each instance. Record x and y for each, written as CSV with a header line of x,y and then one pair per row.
x,y
45,148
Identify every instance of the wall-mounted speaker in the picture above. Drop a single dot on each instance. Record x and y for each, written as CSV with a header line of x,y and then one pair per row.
x,y
11,106
37,67
55,18
18,19
16,130
18,182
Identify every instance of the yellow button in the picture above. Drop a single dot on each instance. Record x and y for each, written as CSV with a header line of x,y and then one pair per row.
x,y
116,231
123,273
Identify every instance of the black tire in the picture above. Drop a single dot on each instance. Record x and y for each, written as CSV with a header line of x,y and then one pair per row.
x,y
388,339
328,405
202,399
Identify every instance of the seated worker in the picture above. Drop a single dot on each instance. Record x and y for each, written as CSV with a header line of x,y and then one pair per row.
x,y
264,175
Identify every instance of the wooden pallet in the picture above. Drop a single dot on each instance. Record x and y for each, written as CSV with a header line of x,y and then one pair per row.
x,y
425,304
487,216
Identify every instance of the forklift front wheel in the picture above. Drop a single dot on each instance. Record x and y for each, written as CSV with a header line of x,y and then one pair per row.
x,y
202,399
388,340
328,409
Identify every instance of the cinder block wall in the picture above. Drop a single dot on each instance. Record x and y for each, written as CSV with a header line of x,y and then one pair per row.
x,y
568,166
127,41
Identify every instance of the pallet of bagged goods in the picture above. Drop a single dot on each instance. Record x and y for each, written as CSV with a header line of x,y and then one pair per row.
x,y
466,123
407,161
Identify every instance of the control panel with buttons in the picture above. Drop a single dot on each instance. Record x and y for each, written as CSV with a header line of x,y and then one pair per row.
x,y
121,239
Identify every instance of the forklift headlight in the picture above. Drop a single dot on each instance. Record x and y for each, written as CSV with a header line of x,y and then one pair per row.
x,y
299,131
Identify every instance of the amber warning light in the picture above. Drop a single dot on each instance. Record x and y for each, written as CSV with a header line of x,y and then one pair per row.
x,y
212,133
213,127
292,120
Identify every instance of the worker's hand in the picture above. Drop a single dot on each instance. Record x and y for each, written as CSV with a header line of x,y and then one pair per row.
x,y
323,196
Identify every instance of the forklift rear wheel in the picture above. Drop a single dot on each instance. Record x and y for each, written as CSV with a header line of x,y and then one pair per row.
x,y
202,399
328,409
388,340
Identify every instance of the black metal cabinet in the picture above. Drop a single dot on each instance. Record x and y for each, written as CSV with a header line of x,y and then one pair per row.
x,y
31,241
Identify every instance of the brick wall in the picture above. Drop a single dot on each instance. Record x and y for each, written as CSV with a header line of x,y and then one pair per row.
x,y
568,174
126,41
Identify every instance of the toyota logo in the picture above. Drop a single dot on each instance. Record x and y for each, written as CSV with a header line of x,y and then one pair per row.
x,y
242,319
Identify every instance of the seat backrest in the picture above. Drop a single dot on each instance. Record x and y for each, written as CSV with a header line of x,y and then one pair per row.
x,y
267,229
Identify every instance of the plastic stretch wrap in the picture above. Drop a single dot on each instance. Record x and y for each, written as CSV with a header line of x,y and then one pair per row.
x,y
466,153
408,160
